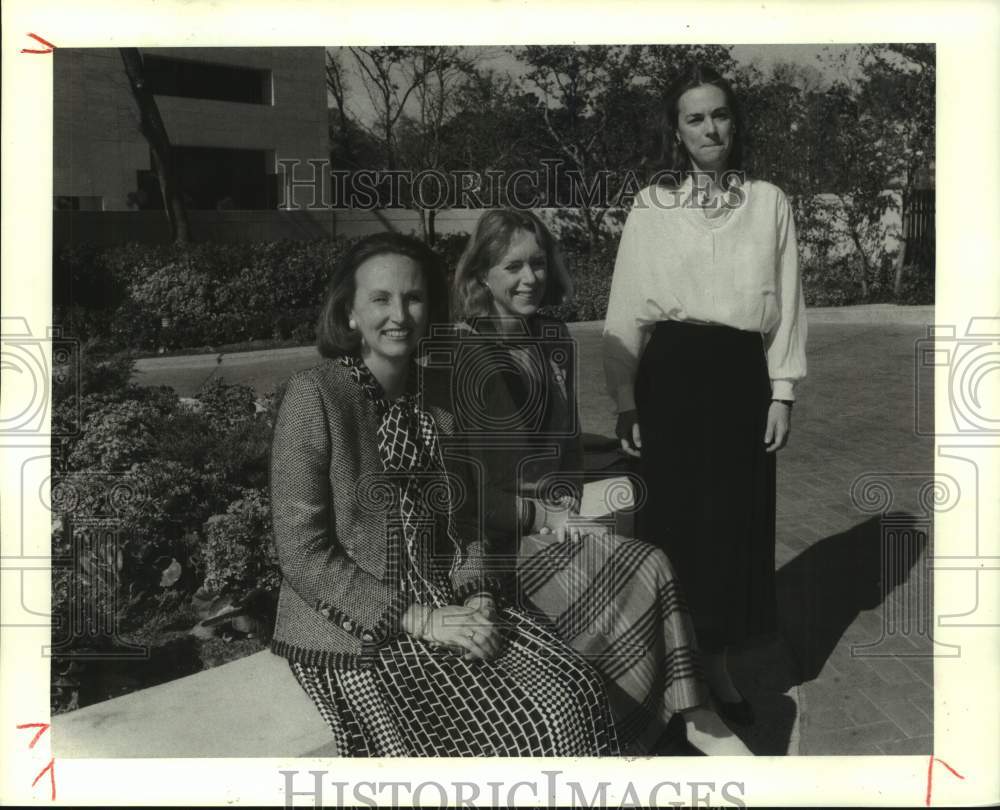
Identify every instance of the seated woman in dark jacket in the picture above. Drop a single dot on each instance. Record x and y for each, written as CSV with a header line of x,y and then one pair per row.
x,y
386,614
614,599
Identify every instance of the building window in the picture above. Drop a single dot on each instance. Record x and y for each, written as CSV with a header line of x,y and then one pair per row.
x,y
167,76
69,202
215,179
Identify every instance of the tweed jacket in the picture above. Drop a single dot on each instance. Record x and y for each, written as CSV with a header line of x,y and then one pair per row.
x,y
331,505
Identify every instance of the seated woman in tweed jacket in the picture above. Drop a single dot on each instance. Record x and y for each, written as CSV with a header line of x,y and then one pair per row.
x,y
386,614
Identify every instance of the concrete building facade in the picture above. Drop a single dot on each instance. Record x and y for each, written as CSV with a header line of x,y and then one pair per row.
x,y
231,114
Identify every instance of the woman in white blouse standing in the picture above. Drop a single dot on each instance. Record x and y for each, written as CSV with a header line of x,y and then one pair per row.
x,y
703,344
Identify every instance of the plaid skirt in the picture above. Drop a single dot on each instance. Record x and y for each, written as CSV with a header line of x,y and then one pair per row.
x,y
617,602
537,698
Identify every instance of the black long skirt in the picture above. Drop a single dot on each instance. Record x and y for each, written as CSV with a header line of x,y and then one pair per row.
x,y
702,394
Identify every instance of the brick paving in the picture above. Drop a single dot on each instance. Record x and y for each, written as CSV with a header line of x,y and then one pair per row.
x,y
851,672
855,417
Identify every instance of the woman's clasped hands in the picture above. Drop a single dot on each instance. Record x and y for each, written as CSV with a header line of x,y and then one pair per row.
x,y
467,629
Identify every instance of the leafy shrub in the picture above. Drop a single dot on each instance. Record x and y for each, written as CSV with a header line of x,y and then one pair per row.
x,y
591,272
917,287
195,295
94,369
241,456
180,294
183,493
115,436
450,247
226,406
238,552
830,284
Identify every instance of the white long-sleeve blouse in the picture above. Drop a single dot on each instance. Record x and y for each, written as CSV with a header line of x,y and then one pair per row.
x,y
739,270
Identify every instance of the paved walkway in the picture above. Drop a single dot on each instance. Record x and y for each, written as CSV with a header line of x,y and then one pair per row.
x,y
847,575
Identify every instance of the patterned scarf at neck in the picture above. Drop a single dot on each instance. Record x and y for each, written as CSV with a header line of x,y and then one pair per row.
x,y
411,456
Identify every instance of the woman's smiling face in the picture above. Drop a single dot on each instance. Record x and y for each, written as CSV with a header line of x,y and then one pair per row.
x,y
517,281
390,306
705,127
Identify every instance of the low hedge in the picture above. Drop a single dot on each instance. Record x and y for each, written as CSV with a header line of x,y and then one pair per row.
x,y
151,298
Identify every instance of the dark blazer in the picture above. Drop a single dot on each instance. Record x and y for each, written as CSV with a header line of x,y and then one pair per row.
x,y
339,599
535,401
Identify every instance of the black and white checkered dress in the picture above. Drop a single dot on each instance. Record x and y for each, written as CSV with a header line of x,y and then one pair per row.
x,y
536,698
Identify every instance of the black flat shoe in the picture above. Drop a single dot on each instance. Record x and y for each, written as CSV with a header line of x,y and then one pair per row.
x,y
674,742
739,712
678,748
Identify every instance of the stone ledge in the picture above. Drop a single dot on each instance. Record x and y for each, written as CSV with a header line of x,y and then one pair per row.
x,y
879,314
252,707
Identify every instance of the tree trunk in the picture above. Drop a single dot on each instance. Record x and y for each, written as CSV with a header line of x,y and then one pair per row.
x,y
865,264
422,220
152,128
431,236
593,228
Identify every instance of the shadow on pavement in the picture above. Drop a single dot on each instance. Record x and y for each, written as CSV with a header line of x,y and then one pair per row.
x,y
765,673
822,591
820,594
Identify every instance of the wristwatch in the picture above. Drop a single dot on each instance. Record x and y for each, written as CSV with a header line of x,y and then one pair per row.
x,y
788,402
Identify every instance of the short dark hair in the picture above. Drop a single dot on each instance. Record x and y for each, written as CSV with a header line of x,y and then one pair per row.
x,y
674,164
486,247
334,337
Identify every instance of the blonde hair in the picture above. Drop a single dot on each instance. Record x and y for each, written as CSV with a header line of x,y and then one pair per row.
x,y
487,246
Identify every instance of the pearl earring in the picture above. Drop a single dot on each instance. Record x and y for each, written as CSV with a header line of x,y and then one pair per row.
x,y
353,324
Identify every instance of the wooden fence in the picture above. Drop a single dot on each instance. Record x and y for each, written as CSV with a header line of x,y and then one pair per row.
x,y
918,228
